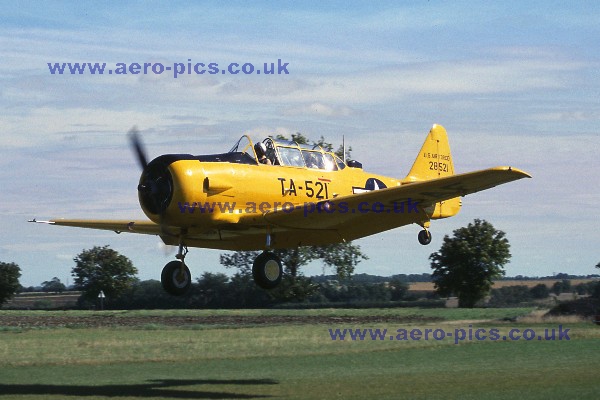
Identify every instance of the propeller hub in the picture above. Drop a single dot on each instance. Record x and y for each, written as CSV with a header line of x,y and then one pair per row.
x,y
155,189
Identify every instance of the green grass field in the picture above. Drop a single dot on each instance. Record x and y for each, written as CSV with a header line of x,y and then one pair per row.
x,y
291,360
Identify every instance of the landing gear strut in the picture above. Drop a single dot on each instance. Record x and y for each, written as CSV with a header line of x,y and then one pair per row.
x,y
176,278
267,270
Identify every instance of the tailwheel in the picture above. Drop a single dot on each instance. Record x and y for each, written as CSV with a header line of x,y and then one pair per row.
x,y
424,237
176,278
267,270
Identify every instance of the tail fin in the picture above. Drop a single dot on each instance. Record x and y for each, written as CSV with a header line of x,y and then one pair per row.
x,y
435,161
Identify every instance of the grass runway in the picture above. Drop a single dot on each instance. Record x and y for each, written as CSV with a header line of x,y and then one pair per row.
x,y
245,354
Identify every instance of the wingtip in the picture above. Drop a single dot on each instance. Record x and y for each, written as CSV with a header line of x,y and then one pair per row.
x,y
40,222
520,172
513,170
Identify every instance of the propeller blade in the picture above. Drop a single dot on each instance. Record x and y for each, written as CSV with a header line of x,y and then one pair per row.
x,y
138,147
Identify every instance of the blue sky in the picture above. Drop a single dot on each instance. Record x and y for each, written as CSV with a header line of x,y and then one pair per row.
x,y
514,84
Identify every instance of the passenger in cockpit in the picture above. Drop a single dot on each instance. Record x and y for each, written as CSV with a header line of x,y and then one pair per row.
x,y
261,153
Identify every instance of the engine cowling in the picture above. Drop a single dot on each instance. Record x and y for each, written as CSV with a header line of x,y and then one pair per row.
x,y
171,187
155,189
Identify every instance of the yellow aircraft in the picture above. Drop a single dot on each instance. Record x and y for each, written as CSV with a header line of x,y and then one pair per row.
x,y
278,194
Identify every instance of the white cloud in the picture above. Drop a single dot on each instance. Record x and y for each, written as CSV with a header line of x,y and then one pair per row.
x,y
319,109
47,124
566,116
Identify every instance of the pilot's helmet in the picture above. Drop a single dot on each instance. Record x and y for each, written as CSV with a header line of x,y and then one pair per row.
x,y
261,149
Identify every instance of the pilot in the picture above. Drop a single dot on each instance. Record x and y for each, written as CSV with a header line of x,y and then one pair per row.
x,y
310,160
261,153
314,160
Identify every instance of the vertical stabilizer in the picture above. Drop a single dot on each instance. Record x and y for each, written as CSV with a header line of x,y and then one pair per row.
x,y
434,159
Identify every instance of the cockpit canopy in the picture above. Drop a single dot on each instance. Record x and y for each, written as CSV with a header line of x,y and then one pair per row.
x,y
288,153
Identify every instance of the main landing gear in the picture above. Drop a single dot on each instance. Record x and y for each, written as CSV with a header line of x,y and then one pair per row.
x,y
424,236
176,278
267,270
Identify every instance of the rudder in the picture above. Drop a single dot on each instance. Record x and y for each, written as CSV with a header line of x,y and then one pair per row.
x,y
435,161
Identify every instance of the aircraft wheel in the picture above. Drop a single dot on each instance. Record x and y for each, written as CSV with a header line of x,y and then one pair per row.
x,y
424,237
176,280
267,270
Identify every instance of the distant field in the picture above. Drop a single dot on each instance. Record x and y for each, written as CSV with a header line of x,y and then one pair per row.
x,y
197,354
42,300
69,299
428,286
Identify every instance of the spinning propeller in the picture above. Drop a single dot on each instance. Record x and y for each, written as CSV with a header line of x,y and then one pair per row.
x,y
138,147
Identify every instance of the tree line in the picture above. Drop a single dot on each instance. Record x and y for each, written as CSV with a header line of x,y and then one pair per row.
x,y
217,290
465,266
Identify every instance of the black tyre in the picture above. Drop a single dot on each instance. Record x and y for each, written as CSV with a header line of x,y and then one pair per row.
x,y
267,270
176,280
424,237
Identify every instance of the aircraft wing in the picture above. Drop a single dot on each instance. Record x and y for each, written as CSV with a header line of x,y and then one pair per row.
x,y
118,226
348,212
341,219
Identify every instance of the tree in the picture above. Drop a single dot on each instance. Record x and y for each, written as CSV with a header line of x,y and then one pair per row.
x,y
398,289
103,269
213,290
596,290
242,260
295,287
342,256
9,281
301,139
539,291
509,296
294,258
245,294
563,286
467,263
53,285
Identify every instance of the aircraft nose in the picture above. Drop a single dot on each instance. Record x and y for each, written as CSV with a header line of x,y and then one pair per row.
x,y
155,188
